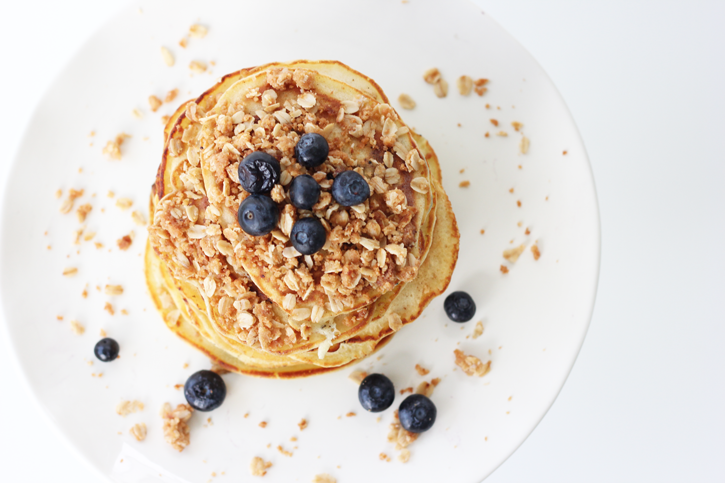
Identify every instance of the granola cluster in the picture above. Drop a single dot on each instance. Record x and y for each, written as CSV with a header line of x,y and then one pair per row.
x,y
370,247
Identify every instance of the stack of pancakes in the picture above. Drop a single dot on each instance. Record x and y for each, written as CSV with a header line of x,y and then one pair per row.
x,y
254,304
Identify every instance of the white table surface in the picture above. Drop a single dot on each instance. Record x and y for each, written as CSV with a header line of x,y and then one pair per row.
x,y
645,83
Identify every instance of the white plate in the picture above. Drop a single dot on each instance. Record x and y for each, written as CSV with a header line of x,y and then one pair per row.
x,y
535,316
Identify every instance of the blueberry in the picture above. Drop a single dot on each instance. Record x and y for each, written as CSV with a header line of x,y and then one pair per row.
x,y
350,189
106,349
258,215
417,413
259,172
459,307
311,150
376,393
205,390
304,192
308,235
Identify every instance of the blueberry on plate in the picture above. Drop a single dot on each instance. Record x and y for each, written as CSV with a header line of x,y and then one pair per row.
x,y
417,413
259,172
350,188
311,150
106,349
459,307
376,393
258,215
304,192
308,235
205,390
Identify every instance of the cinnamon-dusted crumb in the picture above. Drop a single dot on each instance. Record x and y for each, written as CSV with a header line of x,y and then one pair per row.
x,y
198,31
82,212
421,370
406,102
259,467
513,254
357,376
464,184
167,57
494,122
70,272
155,103
114,289
124,408
109,308
465,85
478,330
504,269
524,145
124,243
471,365
283,451
112,150
176,429
263,424
171,95
138,431
124,203
197,66
535,251
302,424
384,457
323,478
77,327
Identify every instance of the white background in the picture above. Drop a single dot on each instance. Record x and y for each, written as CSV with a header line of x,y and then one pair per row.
x,y
645,82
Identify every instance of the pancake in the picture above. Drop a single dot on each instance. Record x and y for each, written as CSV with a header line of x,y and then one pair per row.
x,y
333,343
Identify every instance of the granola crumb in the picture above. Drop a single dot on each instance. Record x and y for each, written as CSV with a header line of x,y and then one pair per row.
x,y
98,245
183,42
513,254
407,389
504,269
186,365
404,456
524,145
82,212
138,218
564,153
440,88
109,308
323,478
137,113
112,150
59,317
471,365
394,321
167,56
58,194
124,203
155,103
124,408
517,125
70,272
114,289
77,327
138,431
302,424
357,376
406,102
432,75
483,231
171,95
350,414
102,333
421,370
124,243
478,330
198,31
283,451
502,134
197,66
535,251
263,424
176,429
259,467
464,184
165,119
527,232
494,122
111,194
426,388
384,457
518,203
487,134
465,85
218,368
